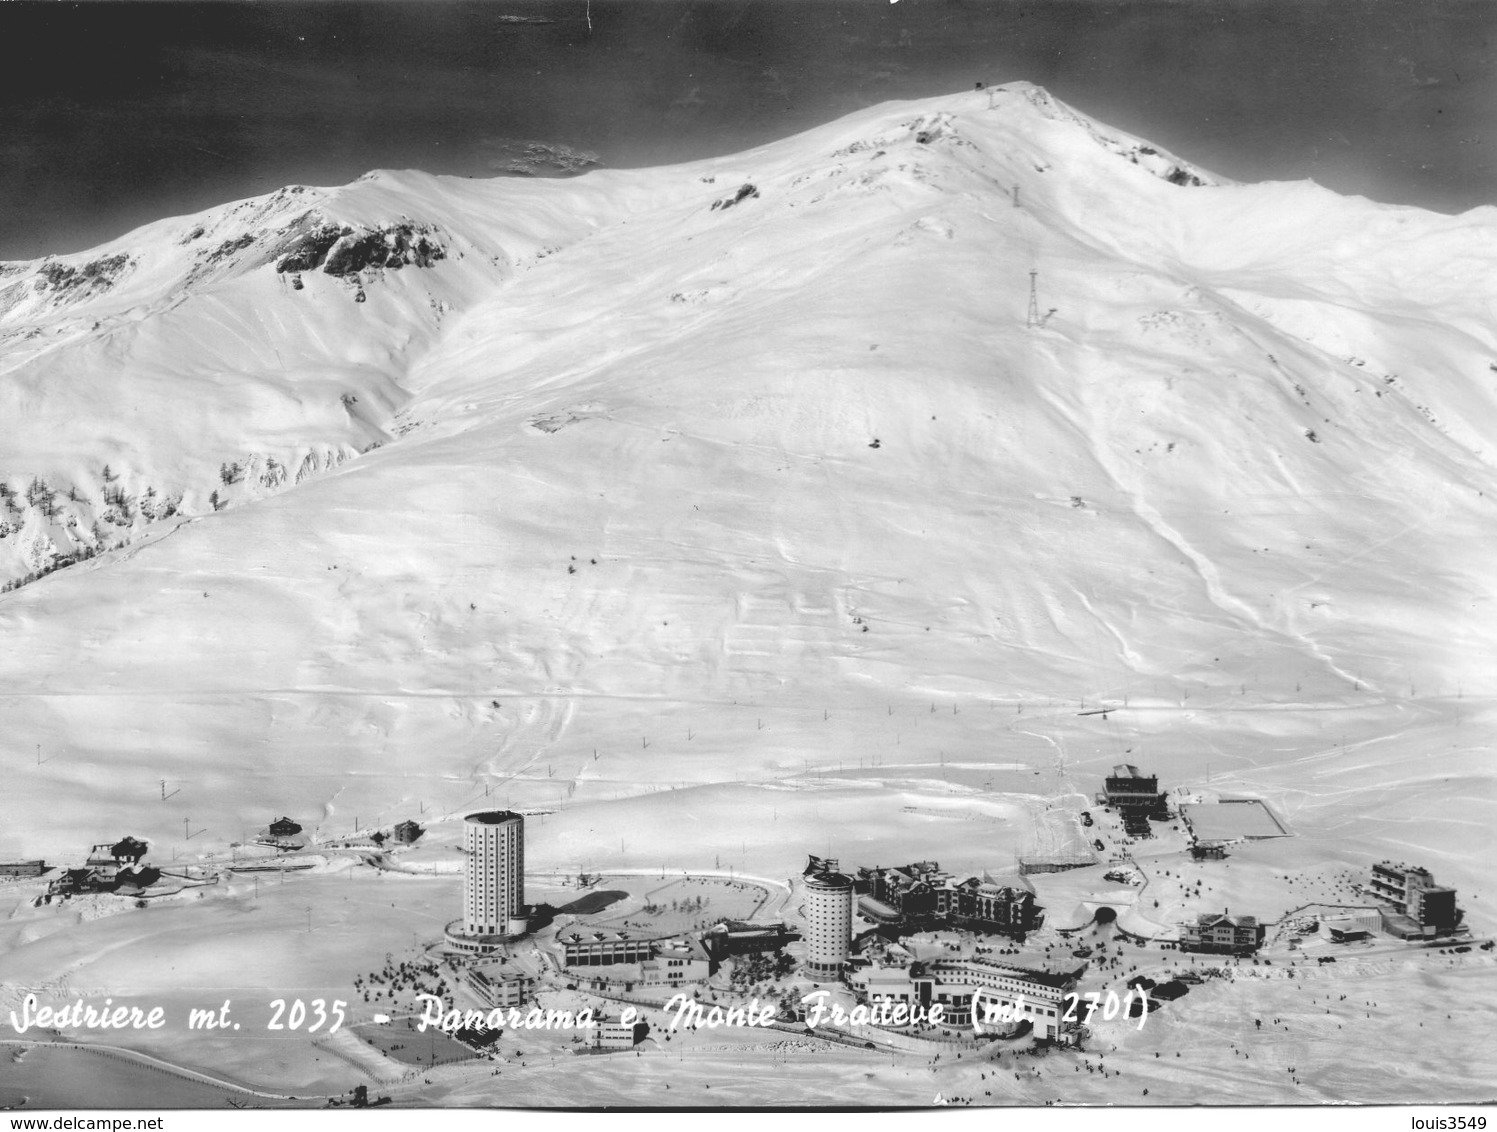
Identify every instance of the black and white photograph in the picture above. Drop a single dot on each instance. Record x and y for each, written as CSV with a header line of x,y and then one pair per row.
x,y
748,555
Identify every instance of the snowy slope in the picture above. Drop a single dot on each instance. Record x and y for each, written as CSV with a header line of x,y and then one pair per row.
x,y
728,484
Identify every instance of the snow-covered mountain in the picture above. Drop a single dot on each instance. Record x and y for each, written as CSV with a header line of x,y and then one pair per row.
x,y
423,488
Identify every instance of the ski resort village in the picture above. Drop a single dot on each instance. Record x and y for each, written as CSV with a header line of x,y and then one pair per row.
x,y
958,603
906,963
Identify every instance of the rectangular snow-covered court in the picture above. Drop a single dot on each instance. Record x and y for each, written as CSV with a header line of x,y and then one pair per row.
x,y
1224,821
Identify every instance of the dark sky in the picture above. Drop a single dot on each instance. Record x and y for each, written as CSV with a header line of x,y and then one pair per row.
x,y
114,114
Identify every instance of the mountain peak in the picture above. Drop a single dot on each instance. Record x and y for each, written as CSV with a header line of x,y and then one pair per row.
x,y
972,396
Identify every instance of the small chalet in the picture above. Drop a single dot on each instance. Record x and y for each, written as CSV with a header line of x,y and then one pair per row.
x,y
129,851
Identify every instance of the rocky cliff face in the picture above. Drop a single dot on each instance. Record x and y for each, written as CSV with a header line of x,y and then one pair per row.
x,y
338,249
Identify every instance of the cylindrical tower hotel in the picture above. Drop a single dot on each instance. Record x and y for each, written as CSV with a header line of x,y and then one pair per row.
x,y
828,922
494,876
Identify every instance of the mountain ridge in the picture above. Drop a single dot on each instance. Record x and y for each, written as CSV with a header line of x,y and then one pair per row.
x,y
631,455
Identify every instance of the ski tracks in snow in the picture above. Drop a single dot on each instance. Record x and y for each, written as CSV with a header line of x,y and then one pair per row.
x,y
1207,571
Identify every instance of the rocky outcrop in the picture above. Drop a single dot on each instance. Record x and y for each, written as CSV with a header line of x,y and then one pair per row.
x,y
342,250
744,193
97,275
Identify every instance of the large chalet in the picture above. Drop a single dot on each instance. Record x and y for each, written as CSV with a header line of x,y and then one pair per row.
x,y
1220,934
920,895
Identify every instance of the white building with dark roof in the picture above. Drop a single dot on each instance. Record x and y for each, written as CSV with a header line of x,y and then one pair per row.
x,y
1221,934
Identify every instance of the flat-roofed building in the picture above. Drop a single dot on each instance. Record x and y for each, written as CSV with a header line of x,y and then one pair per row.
x,y
497,986
1412,894
969,989
617,1035
604,949
1435,908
